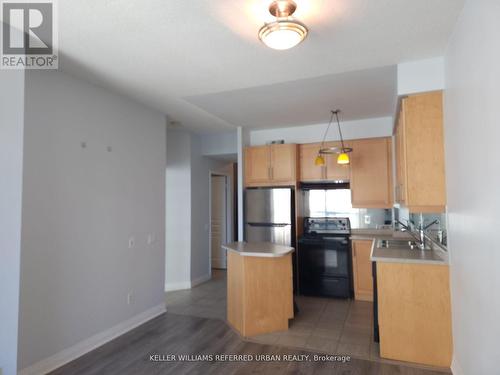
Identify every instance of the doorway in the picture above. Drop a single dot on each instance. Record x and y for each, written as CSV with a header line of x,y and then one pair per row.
x,y
220,226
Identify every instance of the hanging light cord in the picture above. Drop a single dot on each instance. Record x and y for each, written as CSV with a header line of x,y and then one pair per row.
x,y
336,114
328,127
340,131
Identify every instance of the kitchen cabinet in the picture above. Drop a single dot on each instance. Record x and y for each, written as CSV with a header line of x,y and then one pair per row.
x,y
371,173
414,313
420,166
271,165
362,270
331,171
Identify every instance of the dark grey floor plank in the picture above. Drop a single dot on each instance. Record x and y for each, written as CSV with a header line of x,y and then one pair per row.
x,y
177,334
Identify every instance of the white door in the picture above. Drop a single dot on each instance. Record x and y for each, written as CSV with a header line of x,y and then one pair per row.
x,y
218,221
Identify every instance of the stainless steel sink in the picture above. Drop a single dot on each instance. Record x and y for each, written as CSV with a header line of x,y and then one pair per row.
x,y
397,244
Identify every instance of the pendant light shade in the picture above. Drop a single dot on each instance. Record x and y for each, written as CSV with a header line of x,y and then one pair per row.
x,y
319,161
343,158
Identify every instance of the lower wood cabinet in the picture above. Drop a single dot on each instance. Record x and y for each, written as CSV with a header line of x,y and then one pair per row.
x,y
371,173
414,313
362,270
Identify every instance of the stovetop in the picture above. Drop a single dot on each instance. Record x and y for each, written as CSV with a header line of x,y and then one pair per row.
x,y
326,226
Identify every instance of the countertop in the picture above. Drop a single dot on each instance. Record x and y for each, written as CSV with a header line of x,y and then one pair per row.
x,y
258,249
398,255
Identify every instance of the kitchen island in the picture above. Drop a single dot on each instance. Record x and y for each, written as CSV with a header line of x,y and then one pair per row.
x,y
259,287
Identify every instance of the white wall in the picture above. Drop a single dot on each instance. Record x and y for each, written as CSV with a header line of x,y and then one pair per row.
x,y
178,211
368,128
80,206
472,132
421,76
11,172
219,144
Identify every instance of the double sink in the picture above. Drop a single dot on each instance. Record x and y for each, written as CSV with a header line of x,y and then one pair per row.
x,y
390,249
399,244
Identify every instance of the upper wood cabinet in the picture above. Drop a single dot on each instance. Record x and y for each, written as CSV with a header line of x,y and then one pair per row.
x,y
271,165
420,177
371,173
362,270
310,172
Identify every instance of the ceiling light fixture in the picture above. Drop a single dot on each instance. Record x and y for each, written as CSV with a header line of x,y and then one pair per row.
x,y
285,32
343,152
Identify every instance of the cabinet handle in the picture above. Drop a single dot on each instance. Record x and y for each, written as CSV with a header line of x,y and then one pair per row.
x,y
269,173
272,173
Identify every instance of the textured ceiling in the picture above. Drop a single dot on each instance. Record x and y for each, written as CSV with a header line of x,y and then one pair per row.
x,y
181,56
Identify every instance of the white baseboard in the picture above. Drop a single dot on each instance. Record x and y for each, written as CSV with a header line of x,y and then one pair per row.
x,y
200,280
455,367
170,287
67,355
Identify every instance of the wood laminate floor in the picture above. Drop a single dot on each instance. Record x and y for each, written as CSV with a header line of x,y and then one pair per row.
x,y
175,335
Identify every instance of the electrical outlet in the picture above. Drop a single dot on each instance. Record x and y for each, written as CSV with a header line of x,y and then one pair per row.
x,y
151,238
368,219
131,242
130,298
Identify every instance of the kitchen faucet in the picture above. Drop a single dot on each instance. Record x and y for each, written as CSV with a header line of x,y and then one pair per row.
x,y
420,239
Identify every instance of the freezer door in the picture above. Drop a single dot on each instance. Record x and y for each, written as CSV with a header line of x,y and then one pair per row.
x,y
280,234
273,205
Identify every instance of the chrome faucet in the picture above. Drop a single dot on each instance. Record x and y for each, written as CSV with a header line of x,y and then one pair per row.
x,y
408,228
420,239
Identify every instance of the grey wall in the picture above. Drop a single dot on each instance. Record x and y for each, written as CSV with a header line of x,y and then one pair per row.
x,y
11,169
178,211
472,133
188,202
81,206
200,214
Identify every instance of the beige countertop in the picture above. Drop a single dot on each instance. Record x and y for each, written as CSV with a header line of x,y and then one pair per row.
x,y
398,255
258,249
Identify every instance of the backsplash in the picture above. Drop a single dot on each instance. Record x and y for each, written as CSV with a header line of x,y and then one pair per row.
x,y
437,231
337,203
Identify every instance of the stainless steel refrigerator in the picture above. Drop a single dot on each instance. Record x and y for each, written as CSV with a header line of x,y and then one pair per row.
x,y
268,215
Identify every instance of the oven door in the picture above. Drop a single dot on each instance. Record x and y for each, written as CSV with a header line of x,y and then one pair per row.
x,y
325,257
324,267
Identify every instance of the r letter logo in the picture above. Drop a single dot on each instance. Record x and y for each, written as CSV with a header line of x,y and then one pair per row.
x,y
29,34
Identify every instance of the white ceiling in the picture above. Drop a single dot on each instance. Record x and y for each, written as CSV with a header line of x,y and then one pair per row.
x,y
187,57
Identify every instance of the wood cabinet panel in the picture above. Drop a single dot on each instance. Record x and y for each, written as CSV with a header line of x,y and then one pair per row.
x,y
424,152
371,173
414,312
271,165
308,170
362,270
257,164
284,163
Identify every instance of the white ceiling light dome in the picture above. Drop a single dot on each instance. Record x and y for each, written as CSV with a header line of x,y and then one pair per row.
x,y
285,32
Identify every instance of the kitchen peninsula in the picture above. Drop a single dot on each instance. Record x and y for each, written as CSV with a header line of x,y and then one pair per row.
x,y
259,287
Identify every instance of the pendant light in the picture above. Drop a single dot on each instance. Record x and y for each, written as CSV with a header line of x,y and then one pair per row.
x,y
343,152
286,32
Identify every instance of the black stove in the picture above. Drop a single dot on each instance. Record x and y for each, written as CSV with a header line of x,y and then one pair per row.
x,y
324,258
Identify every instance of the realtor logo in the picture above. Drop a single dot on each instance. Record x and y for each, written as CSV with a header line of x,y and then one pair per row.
x,y
29,34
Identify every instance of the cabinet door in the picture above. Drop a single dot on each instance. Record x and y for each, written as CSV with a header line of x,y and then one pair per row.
x,y
335,171
424,146
257,165
308,170
371,173
400,157
284,163
362,270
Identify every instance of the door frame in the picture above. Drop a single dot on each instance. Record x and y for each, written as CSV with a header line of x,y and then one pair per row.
x,y
228,237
